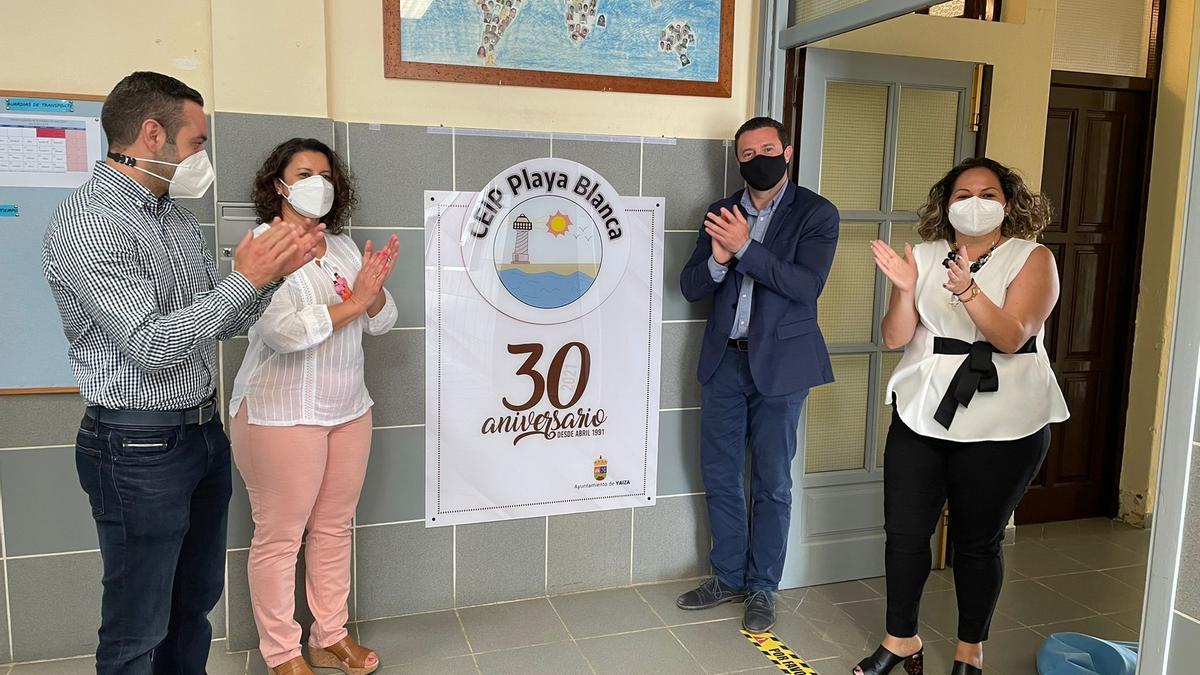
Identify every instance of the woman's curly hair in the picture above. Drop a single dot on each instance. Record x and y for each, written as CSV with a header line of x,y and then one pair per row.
x,y
268,203
1028,212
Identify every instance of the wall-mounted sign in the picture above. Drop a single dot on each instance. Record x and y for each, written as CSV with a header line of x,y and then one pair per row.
x,y
543,310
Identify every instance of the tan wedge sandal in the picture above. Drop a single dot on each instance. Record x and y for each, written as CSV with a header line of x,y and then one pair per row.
x,y
296,666
346,655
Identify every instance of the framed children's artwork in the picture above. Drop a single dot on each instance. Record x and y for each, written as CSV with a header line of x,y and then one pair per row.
x,y
680,47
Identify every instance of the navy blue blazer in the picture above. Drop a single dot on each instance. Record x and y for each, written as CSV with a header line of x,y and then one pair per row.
x,y
789,268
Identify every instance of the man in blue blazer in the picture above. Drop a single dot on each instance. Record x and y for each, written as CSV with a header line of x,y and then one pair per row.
x,y
763,255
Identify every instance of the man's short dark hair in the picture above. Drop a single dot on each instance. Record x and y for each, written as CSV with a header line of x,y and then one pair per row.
x,y
763,123
141,96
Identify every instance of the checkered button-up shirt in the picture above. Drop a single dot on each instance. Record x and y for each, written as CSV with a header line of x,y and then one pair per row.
x,y
137,290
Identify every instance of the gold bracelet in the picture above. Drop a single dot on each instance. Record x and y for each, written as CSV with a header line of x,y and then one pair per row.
x,y
972,291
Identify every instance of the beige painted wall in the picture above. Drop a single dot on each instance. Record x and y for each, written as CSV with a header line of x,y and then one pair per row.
x,y
1020,53
87,47
1160,270
325,58
280,70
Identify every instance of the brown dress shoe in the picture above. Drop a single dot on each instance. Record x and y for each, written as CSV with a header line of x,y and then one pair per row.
x,y
346,655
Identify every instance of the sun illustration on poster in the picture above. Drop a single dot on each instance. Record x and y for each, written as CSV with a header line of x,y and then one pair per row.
x,y
559,224
548,252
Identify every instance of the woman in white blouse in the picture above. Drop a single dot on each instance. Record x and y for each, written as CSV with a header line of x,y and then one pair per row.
x,y
973,396
301,414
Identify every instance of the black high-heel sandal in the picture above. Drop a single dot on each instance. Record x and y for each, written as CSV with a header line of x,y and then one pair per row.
x,y
883,661
961,668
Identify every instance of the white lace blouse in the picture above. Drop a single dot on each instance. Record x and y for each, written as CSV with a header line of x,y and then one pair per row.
x,y
298,370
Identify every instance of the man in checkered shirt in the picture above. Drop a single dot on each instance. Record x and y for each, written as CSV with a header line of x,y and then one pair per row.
x,y
142,309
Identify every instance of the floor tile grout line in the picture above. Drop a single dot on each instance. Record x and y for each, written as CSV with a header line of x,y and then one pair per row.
x,y
800,603
567,628
686,650
653,610
590,638
37,662
701,623
501,650
1094,539
586,659
1140,588
463,627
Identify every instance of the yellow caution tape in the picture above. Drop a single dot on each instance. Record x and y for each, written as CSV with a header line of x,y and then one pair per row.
x,y
780,654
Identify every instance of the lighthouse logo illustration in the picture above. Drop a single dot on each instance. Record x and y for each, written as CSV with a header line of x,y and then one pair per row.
x,y
522,226
548,252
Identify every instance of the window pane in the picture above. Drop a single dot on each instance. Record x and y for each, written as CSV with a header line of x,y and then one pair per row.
x,y
807,10
837,416
846,307
890,359
904,233
852,151
925,144
954,8
1110,37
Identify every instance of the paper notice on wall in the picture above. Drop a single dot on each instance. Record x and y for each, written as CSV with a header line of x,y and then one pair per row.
x,y
47,150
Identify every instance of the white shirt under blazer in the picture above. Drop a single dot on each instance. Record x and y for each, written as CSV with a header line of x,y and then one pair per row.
x,y
297,369
1027,396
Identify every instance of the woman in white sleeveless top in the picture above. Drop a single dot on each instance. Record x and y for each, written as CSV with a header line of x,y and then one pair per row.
x,y
973,396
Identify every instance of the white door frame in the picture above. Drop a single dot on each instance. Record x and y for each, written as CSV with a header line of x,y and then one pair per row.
x,y
1179,438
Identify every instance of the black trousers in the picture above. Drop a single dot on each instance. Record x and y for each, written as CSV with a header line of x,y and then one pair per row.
x,y
983,483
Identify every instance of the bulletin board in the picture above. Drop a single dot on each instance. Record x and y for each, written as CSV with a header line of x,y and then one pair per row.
x,y
48,144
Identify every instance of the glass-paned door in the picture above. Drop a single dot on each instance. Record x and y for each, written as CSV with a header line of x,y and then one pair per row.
x,y
876,132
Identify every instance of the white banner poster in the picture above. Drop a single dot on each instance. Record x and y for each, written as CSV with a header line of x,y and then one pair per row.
x,y
543,308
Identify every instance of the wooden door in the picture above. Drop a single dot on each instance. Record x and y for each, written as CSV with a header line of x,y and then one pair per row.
x,y
1094,173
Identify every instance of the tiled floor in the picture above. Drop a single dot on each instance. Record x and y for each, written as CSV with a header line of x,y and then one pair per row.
x,y
1084,576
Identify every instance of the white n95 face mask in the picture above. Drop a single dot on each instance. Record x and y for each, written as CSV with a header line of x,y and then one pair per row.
x,y
975,217
193,176
312,197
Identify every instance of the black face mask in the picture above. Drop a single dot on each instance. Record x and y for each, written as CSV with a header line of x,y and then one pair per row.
x,y
763,172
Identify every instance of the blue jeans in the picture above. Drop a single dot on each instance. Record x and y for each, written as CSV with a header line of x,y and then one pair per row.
x,y
747,553
160,497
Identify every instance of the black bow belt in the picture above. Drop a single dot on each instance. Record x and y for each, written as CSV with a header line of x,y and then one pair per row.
x,y
977,373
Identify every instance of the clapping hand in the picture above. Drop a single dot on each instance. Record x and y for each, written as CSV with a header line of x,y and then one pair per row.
x,y
900,270
958,273
376,267
284,248
729,232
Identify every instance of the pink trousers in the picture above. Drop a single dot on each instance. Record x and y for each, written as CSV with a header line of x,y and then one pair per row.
x,y
300,478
